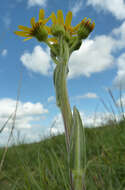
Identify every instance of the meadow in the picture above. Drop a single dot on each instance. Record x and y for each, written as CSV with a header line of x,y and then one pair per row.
x,y
43,165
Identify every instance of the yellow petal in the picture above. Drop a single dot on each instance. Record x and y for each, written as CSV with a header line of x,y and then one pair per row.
x,y
32,21
27,38
68,19
25,28
21,33
71,30
76,27
60,19
93,26
41,14
48,29
84,20
53,18
45,20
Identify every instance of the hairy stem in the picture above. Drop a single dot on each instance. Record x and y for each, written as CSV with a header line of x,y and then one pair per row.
x,y
62,99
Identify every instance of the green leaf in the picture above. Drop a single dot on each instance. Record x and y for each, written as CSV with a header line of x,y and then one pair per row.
x,y
77,151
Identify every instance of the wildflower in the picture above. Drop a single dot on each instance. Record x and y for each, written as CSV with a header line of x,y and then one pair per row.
x,y
66,40
59,27
84,28
38,29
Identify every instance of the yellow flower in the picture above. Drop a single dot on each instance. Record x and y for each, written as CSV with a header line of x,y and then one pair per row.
x,y
88,24
59,21
38,29
84,28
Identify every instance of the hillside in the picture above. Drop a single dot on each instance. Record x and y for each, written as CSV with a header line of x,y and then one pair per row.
x,y
43,165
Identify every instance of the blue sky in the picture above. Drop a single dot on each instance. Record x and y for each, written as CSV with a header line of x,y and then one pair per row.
x,y
99,64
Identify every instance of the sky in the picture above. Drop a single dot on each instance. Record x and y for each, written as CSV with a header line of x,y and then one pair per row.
x,y
26,68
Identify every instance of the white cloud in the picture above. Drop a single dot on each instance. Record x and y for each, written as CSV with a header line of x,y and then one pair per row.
x,y
95,119
7,21
93,56
57,125
26,112
4,52
32,3
92,120
87,95
28,134
37,61
50,99
120,77
116,7
76,7
28,120
121,101
119,35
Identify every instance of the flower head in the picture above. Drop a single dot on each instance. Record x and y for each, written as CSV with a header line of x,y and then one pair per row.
x,y
65,37
81,30
59,26
38,29
85,27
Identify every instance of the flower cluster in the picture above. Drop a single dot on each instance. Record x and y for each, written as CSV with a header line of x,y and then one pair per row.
x,y
59,30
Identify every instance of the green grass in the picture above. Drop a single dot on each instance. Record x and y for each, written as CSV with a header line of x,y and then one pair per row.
x,y
44,165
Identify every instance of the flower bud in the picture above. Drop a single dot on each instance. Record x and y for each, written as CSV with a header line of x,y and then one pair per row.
x,y
57,30
41,33
85,28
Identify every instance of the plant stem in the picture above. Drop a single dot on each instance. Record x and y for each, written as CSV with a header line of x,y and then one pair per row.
x,y
62,99
74,133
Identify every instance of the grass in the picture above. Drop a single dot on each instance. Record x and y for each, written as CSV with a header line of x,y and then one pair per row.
x,y
44,165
